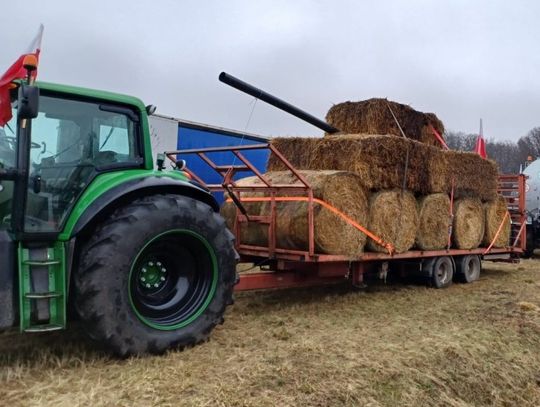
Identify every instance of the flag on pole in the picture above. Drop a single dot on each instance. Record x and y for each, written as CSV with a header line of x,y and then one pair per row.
x,y
480,146
14,72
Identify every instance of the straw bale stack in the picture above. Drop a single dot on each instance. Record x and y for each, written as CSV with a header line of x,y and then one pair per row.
x,y
379,160
471,175
373,116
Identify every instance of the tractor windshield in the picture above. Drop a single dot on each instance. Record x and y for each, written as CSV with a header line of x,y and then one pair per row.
x,y
72,142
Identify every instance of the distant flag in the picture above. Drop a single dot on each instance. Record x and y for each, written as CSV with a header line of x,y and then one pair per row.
x,y
480,146
17,71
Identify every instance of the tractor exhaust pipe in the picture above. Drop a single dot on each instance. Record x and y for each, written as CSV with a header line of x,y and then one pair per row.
x,y
274,101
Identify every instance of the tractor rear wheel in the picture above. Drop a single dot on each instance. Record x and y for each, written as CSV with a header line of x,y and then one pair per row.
x,y
157,274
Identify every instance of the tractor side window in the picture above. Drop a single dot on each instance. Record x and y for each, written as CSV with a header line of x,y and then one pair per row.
x,y
115,137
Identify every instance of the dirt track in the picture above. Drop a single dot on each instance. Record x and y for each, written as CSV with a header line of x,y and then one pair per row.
x,y
395,344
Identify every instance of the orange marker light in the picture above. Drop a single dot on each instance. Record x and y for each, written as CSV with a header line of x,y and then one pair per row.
x,y
30,62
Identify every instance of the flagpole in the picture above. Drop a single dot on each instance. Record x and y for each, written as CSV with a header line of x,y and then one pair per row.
x,y
481,129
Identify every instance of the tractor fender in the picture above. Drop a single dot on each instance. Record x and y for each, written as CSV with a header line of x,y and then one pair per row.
x,y
132,189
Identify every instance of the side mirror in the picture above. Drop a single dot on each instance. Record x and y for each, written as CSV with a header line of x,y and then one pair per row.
x,y
28,105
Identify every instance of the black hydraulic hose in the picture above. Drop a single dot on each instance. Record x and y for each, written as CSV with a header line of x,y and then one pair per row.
x,y
274,101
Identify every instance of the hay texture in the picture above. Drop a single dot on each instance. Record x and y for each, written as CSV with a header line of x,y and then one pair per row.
x,y
434,218
332,235
379,160
372,116
380,163
250,233
468,225
472,175
495,212
393,216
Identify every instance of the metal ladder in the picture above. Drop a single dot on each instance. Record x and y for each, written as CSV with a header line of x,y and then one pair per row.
x,y
42,287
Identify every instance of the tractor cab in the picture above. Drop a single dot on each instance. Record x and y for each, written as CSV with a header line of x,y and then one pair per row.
x,y
73,139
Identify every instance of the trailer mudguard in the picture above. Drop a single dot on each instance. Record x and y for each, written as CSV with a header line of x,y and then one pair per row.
x,y
7,281
136,188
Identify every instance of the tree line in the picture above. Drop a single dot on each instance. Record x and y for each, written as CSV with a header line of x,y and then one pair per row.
x,y
508,154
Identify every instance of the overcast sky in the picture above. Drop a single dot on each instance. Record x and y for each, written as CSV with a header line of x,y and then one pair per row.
x,y
460,59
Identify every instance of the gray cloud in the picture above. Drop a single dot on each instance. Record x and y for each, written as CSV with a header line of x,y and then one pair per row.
x,y
462,60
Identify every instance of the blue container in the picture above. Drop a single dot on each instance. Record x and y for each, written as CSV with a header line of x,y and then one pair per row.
x,y
199,136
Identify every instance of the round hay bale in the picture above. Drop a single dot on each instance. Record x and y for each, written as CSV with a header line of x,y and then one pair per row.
x,y
434,218
393,216
332,235
468,227
495,212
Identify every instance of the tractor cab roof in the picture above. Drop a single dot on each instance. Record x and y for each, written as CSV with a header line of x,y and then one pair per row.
x,y
93,93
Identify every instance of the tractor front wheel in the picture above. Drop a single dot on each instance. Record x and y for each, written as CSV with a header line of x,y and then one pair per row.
x,y
157,274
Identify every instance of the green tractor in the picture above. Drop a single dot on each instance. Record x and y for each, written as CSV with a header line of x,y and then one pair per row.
x,y
91,230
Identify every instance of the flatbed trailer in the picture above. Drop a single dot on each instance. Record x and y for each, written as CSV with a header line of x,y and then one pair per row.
x,y
285,268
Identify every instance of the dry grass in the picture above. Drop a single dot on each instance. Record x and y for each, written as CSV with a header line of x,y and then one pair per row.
x,y
396,344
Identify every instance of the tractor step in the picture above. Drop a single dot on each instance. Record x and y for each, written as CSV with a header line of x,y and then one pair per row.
x,y
42,287
44,295
44,328
41,262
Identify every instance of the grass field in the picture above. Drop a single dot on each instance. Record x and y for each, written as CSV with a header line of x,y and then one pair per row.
x,y
395,344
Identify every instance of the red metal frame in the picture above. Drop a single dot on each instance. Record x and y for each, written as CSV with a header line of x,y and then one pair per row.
x,y
295,268
512,188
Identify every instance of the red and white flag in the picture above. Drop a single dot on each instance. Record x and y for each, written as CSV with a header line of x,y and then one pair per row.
x,y
480,146
17,71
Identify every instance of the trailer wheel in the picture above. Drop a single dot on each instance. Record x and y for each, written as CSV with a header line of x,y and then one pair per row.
x,y
442,272
468,268
157,274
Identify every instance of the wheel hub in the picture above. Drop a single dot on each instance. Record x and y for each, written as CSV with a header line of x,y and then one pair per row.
x,y
173,279
152,275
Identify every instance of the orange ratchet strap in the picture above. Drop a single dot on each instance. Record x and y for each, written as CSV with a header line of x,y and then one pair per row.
x,y
388,246
497,234
451,216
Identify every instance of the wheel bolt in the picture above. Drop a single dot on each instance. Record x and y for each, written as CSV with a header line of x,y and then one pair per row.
x,y
148,285
151,263
144,270
163,270
162,278
158,264
143,279
156,285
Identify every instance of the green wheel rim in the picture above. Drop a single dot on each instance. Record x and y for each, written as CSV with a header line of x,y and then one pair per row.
x,y
153,279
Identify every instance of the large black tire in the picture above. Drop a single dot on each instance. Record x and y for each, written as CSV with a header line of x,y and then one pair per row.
x,y
530,243
157,274
439,270
468,268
